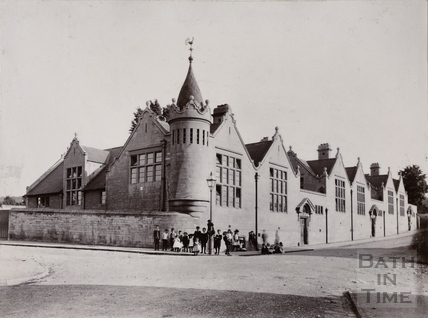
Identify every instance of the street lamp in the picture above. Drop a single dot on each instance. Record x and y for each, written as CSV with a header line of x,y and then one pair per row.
x,y
211,184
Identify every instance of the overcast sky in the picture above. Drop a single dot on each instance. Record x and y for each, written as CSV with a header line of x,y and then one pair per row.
x,y
351,73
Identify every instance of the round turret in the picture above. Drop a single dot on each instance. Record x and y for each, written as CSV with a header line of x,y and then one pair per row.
x,y
191,150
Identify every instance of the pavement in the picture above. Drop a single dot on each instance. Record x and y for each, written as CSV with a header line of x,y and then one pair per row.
x,y
18,271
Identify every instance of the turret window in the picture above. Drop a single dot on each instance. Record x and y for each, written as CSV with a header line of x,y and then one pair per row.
x,y
191,135
203,137
146,167
184,135
197,136
178,136
228,188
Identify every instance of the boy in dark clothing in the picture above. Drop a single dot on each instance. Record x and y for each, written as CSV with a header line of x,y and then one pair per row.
x,y
185,241
156,237
217,242
204,240
197,234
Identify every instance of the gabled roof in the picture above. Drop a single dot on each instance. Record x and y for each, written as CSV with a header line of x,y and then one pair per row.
x,y
95,155
258,150
396,184
214,127
318,166
297,162
99,180
52,183
377,181
351,172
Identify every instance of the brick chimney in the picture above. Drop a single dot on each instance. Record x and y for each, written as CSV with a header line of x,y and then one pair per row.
x,y
324,151
374,169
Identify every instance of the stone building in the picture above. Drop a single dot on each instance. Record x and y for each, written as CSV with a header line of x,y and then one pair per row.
x,y
159,177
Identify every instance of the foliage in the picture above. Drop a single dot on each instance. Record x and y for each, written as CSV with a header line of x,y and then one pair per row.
x,y
134,122
9,201
415,183
161,112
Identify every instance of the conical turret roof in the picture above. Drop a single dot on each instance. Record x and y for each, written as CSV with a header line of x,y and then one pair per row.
x,y
190,88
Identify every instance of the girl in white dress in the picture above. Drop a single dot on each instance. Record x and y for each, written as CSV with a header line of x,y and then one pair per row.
x,y
177,244
196,247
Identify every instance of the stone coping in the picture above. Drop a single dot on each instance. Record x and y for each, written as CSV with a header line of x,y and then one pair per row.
x,y
99,212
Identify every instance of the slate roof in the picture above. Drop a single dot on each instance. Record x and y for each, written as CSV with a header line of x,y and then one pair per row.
x,y
190,87
214,127
52,183
317,166
99,180
396,184
351,172
258,150
377,181
96,155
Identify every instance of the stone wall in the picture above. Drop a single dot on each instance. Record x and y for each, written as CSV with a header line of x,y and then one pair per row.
x,y
94,227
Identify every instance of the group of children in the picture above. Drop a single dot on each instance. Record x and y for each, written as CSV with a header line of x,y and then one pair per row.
x,y
197,242
278,248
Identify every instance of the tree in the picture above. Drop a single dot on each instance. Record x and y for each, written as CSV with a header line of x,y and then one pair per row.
x,y
9,201
415,183
134,122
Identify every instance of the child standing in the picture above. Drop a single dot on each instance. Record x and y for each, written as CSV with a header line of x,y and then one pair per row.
x,y
185,241
196,247
190,244
177,244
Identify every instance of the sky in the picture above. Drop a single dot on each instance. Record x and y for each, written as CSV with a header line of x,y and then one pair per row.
x,y
350,73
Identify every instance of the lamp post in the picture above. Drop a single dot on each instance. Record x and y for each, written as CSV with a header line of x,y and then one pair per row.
x,y
256,179
211,184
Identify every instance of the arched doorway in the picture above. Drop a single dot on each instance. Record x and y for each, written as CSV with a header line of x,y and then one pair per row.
x,y
304,211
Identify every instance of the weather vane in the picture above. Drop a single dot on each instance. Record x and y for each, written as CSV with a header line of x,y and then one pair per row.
x,y
190,42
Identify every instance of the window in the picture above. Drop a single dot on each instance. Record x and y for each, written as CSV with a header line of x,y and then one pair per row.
x,y
228,174
278,190
146,167
103,197
74,185
184,135
361,200
197,136
178,136
340,195
402,205
191,135
390,202
319,209
43,202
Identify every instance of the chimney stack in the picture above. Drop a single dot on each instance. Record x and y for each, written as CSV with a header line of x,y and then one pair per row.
x,y
374,169
324,151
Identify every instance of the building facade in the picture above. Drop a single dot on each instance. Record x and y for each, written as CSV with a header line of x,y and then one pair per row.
x,y
163,167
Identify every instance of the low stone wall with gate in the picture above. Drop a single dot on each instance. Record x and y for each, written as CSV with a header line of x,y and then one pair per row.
x,y
94,227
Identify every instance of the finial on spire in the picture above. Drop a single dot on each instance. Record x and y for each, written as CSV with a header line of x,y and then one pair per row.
x,y
190,42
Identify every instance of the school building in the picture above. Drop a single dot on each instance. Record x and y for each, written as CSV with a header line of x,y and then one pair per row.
x,y
159,177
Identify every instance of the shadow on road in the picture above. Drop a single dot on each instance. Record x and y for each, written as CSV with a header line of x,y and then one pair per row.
x,y
131,301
